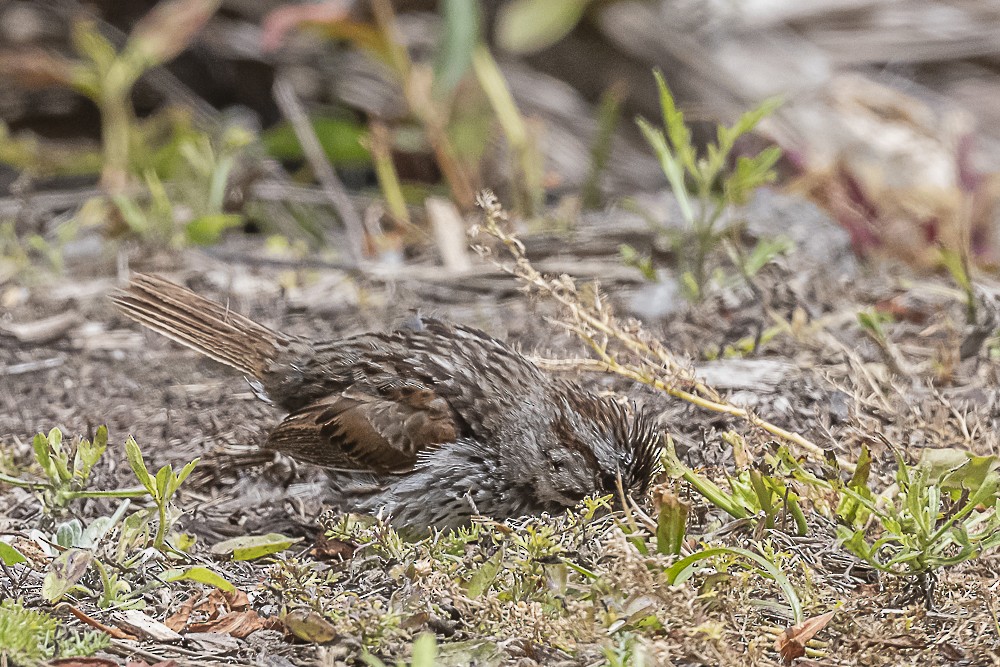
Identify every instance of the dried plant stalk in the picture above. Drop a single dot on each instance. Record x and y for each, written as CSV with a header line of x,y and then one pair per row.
x,y
591,320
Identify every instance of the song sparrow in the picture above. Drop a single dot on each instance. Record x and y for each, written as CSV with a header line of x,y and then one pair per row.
x,y
431,424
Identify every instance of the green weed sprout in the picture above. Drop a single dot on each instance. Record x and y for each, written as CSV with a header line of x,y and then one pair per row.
x,y
107,76
705,184
160,487
197,191
685,568
933,519
67,470
751,492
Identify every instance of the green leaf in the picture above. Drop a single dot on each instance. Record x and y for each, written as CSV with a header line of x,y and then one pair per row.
x,y
343,141
88,42
134,457
764,493
631,257
527,26
206,229
671,524
55,440
483,578
132,214
200,574
671,168
424,651
99,527
183,541
64,572
683,569
179,478
956,265
689,285
957,469
218,183
851,509
68,534
135,531
89,453
250,547
59,458
751,173
10,556
854,542
677,129
40,445
198,152
765,250
874,322
163,477
461,34
712,492
749,120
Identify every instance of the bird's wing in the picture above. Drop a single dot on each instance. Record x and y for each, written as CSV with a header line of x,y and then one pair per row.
x,y
358,429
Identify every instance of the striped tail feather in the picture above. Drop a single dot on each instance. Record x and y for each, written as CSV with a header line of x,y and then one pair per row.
x,y
202,325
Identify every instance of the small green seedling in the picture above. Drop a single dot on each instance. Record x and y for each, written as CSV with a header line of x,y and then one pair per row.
x,y
160,487
752,493
705,183
67,470
671,524
934,517
873,322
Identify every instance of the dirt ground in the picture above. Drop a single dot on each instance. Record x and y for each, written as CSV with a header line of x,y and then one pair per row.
x,y
821,376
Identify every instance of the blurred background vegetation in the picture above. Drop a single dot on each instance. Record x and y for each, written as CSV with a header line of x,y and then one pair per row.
x,y
132,128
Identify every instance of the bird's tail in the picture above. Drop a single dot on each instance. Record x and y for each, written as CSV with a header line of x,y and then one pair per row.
x,y
204,326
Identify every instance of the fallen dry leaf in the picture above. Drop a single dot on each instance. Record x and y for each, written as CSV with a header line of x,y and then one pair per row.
x,y
332,549
791,643
179,619
239,624
309,626
81,662
220,612
236,599
138,623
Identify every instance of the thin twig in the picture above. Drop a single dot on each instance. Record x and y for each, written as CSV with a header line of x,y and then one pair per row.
x,y
593,323
291,108
43,202
32,366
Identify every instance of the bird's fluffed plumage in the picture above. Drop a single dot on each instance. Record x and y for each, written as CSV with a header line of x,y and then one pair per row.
x,y
430,424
